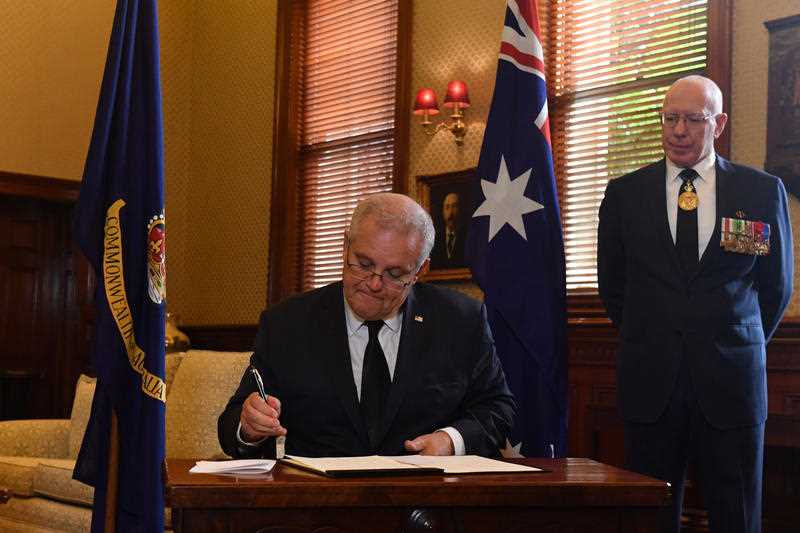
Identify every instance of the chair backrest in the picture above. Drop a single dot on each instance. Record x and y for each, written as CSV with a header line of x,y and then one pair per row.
x,y
84,393
199,393
81,409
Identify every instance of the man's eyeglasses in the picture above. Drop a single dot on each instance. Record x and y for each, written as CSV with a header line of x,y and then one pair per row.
x,y
692,120
387,278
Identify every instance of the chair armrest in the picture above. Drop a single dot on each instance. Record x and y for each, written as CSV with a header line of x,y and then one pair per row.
x,y
35,438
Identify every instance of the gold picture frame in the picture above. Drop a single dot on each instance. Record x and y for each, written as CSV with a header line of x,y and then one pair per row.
x,y
447,257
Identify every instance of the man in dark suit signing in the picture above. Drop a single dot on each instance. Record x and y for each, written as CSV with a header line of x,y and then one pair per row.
x,y
376,363
695,269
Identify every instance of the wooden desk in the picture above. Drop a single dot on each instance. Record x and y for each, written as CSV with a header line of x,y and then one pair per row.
x,y
574,495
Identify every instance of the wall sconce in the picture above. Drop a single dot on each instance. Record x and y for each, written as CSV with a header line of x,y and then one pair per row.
x,y
456,98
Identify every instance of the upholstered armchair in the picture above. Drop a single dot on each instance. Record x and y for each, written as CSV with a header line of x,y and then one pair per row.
x,y
37,456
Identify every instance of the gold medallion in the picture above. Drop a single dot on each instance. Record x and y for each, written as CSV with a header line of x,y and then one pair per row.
x,y
688,201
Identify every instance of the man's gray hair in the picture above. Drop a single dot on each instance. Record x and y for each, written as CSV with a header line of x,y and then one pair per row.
x,y
397,212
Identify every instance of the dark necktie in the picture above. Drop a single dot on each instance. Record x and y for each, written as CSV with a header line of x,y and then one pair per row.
x,y
375,381
686,227
450,244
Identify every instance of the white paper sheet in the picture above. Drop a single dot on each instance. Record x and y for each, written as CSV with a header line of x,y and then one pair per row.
x,y
365,463
237,466
464,464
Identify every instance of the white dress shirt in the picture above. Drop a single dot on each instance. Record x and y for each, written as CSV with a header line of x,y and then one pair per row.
x,y
389,337
706,186
358,337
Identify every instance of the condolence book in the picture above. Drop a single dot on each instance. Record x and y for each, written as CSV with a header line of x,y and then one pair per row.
x,y
404,464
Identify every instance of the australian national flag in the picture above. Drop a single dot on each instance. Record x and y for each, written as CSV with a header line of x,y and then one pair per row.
x,y
120,227
515,246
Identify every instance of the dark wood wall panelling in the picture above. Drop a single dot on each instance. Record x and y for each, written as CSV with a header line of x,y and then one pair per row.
x,y
225,338
44,285
720,58
284,275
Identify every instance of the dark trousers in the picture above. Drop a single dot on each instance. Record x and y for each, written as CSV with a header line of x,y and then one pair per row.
x,y
728,462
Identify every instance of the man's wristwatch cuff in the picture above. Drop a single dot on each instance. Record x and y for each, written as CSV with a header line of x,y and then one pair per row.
x,y
458,441
243,442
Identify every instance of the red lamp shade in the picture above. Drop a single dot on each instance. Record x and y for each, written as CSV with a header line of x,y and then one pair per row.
x,y
426,101
456,93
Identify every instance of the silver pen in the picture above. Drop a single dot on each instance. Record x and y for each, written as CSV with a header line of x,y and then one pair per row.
x,y
259,382
280,441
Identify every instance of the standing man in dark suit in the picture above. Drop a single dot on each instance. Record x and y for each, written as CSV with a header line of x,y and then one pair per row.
x,y
695,269
448,250
376,363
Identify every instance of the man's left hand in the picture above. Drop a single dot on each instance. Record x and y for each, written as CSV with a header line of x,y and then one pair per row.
x,y
436,443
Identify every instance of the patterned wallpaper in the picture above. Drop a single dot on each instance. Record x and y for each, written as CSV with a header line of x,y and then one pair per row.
x,y
175,19
218,86
452,42
224,190
749,98
217,67
466,46
52,56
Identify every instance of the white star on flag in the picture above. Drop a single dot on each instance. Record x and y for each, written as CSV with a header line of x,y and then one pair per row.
x,y
506,201
509,452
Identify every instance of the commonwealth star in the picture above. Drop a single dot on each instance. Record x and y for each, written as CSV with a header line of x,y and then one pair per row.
x,y
506,201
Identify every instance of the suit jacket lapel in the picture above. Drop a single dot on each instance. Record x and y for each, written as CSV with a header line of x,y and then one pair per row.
x,y
655,188
338,363
408,357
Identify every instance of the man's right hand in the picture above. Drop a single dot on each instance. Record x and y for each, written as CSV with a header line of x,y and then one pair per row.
x,y
260,419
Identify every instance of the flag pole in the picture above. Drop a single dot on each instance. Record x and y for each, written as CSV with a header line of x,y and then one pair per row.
x,y
112,482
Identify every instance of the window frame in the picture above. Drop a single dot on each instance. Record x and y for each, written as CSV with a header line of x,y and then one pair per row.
x,y
284,272
584,304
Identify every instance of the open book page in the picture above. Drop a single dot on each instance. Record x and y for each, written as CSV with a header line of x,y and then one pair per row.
x,y
464,464
238,466
371,463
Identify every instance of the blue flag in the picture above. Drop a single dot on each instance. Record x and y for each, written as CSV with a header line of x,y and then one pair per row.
x,y
515,246
119,222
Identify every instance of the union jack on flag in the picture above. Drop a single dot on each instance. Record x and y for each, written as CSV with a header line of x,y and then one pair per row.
x,y
515,246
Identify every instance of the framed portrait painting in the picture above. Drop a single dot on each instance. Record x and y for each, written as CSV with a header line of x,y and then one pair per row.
x,y
448,199
783,102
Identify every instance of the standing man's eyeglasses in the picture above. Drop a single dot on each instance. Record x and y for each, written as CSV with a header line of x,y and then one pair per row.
x,y
693,119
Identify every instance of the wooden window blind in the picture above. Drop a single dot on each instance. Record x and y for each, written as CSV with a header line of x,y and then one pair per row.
x,y
347,122
609,64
